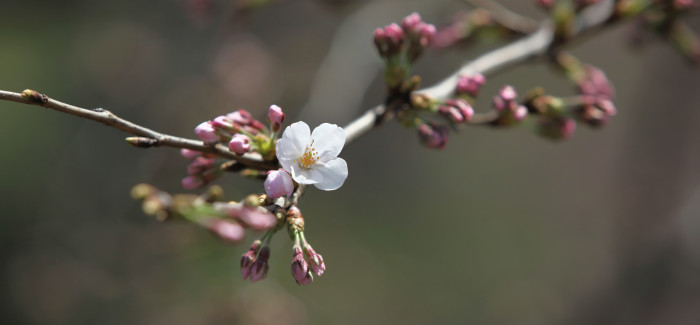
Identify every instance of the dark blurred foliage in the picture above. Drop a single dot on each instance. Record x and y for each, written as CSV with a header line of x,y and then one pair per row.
x,y
502,227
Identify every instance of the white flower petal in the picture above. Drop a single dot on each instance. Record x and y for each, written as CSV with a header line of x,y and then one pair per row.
x,y
294,141
286,163
333,172
305,176
329,140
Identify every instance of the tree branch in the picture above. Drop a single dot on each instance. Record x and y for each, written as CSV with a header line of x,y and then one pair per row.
x,y
108,118
531,46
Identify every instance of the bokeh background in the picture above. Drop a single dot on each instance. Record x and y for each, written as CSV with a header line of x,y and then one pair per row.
x,y
501,227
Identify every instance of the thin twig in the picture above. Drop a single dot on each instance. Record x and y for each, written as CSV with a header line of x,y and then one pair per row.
x,y
108,118
505,16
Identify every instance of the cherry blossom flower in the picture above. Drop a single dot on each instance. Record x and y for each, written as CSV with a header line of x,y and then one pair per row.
x,y
312,158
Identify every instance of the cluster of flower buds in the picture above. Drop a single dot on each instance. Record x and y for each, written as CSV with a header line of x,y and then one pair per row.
x,y
470,85
400,46
254,262
305,260
202,169
227,220
242,132
509,111
597,94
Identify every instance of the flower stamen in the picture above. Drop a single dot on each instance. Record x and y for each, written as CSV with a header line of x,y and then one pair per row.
x,y
309,158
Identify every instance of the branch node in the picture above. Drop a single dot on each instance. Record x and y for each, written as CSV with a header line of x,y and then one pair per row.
x,y
142,142
35,96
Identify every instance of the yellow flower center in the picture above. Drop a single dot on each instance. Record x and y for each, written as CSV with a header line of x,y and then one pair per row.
x,y
309,158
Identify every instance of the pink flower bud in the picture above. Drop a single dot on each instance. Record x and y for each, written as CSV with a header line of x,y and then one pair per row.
x,y
306,280
410,22
241,117
227,230
239,144
394,33
257,218
508,93
222,122
433,136
470,85
275,116
520,113
258,270
299,266
315,261
190,154
206,132
200,165
427,34
248,258
278,183
257,125
499,104
192,182
452,113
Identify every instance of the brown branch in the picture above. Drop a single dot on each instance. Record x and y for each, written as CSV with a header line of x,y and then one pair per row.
x,y
108,118
534,45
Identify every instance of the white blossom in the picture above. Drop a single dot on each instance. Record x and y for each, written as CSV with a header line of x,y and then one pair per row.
x,y
312,158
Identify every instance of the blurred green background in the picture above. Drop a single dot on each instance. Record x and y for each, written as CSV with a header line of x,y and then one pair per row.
x,y
501,227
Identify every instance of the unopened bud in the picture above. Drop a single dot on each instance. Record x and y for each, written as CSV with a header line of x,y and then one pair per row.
x,y
206,132
192,182
299,265
315,260
227,230
239,144
279,183
433,136
258,270
248,258
276,117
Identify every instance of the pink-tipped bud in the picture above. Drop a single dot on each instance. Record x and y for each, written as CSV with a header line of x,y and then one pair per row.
x,y
394,33
222,122
190,154
276,117
315,261
248,258
508,93
433,136
427,34
278,183
200,165
239,144
206,132
227,230
411,22
451,113
299,265
258,270
306,280
520,113
607,107
192,182
241,117
470,85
